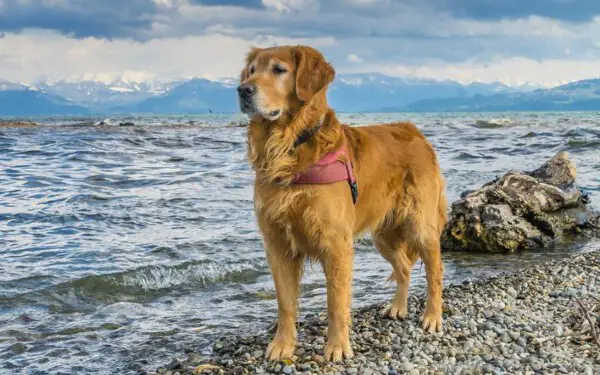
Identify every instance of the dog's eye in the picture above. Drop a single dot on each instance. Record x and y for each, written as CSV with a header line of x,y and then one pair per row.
x,y
278,69
251,70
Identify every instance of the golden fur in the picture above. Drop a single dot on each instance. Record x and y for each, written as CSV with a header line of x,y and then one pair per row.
x,y
401,195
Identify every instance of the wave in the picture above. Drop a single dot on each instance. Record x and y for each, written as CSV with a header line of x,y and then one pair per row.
x,y
493,123
574,144
140,285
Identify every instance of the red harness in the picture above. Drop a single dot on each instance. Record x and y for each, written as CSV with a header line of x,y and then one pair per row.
x,y
330,169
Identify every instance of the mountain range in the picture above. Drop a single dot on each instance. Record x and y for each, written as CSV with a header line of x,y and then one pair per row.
x,y
348,93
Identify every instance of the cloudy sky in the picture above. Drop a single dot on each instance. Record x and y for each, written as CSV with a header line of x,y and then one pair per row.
x,y
544,42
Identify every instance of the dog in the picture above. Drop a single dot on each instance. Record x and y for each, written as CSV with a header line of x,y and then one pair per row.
x,y
394,190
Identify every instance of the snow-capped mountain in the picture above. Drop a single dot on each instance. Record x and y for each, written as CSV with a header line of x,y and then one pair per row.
x,y
101,96
575,96
8,85
378,92
348,93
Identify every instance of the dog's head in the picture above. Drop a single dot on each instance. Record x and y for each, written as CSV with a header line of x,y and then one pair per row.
x,y
280,80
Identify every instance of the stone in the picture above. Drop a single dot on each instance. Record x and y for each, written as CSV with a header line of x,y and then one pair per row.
x,y
305,367
506,338
407,366
521,211
512,292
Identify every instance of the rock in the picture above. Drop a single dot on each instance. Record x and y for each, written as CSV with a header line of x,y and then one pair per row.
x,y
305,367
174,365
287,370
506,338
512,292
536,366
407,366
558,330
128,123
521,211
258,353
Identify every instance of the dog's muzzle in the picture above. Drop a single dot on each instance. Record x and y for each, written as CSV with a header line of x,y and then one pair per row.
x,y
246,92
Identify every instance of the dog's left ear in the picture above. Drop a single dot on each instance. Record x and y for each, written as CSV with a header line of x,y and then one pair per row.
x,y
313,73
249,58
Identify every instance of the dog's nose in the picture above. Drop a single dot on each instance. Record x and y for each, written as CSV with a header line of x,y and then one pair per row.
x,y
246,90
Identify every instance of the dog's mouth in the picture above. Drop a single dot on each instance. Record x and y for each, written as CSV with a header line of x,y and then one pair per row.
x,y
250,109
247,108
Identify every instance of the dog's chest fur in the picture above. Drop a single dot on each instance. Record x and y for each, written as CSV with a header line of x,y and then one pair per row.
x,y
300,217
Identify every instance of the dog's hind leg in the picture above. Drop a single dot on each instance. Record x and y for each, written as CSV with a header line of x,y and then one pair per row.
x,y
394,249
431,320
427,219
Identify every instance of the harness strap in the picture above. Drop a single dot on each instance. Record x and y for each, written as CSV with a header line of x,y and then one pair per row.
x,y
330,169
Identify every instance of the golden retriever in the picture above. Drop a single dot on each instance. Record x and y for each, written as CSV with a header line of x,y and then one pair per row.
x,y
401,199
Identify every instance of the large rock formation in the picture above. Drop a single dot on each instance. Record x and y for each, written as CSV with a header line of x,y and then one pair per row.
x,y
521,210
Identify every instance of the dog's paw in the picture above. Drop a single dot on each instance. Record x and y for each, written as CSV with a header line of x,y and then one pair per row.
x,y
280,349
336,352
394,312
431,322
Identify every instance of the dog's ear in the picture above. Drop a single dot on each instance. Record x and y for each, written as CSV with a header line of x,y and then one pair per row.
x,y
313,73
249,58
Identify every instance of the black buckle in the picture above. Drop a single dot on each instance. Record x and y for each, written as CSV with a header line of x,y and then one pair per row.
x,y
354,191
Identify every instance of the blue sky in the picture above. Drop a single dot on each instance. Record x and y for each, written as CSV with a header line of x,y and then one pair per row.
x,y
545,42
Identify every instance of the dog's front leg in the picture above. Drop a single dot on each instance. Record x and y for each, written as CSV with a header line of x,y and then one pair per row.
x,y
287,271
338,271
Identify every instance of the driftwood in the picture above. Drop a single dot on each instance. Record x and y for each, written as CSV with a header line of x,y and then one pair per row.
x,y
521,211
591,316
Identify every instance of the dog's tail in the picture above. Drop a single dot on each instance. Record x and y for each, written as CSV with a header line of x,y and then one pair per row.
x,y
442,210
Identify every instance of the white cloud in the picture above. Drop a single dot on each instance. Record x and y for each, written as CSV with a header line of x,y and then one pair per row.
x,y
39,54
353,58
289,5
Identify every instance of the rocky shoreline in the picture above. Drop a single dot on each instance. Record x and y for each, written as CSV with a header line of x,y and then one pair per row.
x,y
542,320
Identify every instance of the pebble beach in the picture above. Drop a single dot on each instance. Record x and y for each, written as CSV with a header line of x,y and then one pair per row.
x,y
541,320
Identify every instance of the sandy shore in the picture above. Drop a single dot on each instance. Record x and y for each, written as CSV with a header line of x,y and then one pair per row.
x,y
530,322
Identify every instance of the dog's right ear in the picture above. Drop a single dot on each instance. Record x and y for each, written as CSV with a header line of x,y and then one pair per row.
x,y
249,58
313,73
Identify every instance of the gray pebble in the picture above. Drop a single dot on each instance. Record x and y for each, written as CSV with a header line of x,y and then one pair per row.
x,y
512,292
407,366
506,338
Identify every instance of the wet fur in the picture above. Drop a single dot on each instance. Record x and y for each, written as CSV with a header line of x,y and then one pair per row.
x,y
401,198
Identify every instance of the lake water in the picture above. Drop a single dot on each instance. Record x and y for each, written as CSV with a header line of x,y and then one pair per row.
x,y
122,246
